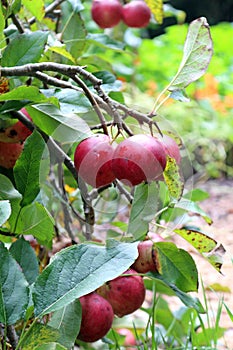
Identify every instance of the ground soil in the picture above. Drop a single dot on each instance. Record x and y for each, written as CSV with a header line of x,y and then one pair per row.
x,y
219,206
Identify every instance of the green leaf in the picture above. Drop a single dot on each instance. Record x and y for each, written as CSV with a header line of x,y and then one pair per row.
x,y
179,95
197,195
173,179
176,266
79,270
25,48
143,209
156,7
62,127
104,41
38,335
197,53
35,7
35,220
5,211
74,31
50,346
205,245
188,300
30,93
67,320
27,170
194,208
8,192
14,292
25,256
61,50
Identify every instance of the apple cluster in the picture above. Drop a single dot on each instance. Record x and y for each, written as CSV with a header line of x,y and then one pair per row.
x,y
120,296
139,158
108,13
11,142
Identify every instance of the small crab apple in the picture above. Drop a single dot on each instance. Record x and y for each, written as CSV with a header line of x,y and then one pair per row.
x,y
93,160
144,262
17,132
106,13
136,14
97,317
9,153
139,158
125,293
129,337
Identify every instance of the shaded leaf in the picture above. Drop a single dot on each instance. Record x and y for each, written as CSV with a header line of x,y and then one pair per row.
x,y
104,41
176,266
179,95
14,290
37,335
79,270
197,53
67,320
62,127
35,220
143,209
156,7
25,48
205,245
188,300
173,179
27,170
25,256
5,211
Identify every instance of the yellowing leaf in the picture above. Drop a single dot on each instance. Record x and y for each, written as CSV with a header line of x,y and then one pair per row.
x,y
173,179
205,245
35,7
156,7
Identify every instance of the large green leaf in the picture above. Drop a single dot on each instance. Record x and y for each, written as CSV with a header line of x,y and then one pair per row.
x,y
193,207
25,48
35,220
14,292
176,266
62,127
27,170
197,53
79,270
25,256
143,209
8,192
67,320
5,211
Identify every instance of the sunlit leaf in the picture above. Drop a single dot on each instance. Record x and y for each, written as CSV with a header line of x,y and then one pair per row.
x,y
5,211
173,179
205,245
197,53
31,93
35,7
156,7
37,335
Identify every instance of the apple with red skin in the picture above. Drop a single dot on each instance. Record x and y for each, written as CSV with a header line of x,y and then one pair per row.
x,y
129,337
92,160
171,148
106,13
145,262
9,153
136,14
17,132
139,158
97,317
126,294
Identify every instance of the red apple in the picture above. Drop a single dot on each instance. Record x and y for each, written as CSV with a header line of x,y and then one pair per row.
x,y
171,148
106,13
97,317
138,158
125,293
144,262
136,14
92,160
17,132
9,153
129,337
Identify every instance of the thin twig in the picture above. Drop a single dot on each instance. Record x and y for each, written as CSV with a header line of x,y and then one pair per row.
x,y
17,23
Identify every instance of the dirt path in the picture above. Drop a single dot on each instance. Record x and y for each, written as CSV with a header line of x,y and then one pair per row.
x,y
219,206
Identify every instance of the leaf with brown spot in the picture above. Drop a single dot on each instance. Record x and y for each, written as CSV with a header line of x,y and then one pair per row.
x,y
205,245
173,179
